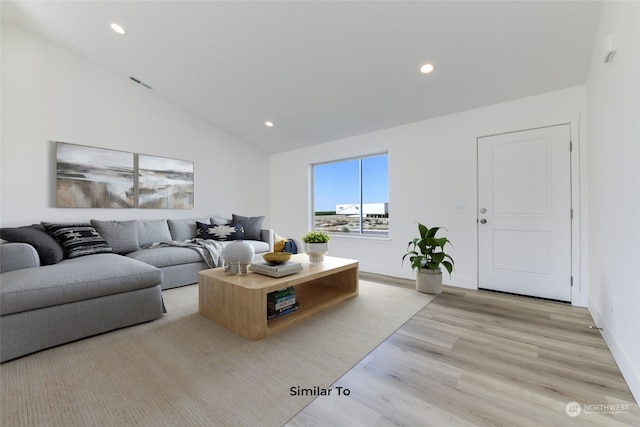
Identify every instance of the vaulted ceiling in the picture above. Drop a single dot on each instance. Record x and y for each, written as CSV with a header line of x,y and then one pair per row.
x,y
324,70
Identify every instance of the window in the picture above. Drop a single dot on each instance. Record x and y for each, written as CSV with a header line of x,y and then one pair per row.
x,y
351,197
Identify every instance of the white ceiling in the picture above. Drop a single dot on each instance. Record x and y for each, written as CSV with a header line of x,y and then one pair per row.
x,y
324,70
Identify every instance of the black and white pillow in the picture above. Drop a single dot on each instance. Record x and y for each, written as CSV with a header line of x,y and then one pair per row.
x,y
222,232
78,239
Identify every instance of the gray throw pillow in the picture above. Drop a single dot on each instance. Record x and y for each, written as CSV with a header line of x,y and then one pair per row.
x,y
49,249
122,236
219,221
153,232
252,226
184,229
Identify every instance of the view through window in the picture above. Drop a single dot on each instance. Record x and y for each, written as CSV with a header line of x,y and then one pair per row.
x,y
352,196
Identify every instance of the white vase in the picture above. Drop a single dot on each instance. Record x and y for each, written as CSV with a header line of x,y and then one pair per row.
x,y
237,256
429,281
316,251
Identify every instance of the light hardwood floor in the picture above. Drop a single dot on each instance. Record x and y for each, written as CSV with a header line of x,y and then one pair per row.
x,y
476,358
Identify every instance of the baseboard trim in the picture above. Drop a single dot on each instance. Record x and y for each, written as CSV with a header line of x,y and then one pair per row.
x,y
625,364
388,280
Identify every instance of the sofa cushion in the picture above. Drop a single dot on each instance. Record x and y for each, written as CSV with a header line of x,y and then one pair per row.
x,y
219,221
153,232
184,229
74,280
122,236
219,232
252,226
166,256
49,250
78,239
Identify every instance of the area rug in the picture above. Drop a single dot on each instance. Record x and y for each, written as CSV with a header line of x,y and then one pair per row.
x,y
183,369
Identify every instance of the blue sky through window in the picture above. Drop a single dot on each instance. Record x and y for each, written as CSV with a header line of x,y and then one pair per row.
x,y
338,182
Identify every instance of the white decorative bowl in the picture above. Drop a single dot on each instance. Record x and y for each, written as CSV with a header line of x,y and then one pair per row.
x,y
316,251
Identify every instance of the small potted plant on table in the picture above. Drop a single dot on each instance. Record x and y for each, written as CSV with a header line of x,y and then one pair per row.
x,y
316,245
426,257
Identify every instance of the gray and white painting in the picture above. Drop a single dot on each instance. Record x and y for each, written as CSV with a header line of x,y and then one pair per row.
x,y
89,177
164,183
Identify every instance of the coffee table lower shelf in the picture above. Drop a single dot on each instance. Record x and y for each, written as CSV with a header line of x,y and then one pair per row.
x,y
312,299
239,303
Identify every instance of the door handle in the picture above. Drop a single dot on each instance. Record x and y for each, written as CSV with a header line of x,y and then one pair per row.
x,y
483,221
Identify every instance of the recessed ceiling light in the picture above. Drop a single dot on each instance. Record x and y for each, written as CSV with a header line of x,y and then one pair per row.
x,y
426,68
118,28
268,124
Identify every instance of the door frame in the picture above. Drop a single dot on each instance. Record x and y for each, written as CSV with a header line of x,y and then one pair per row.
x,y
579,253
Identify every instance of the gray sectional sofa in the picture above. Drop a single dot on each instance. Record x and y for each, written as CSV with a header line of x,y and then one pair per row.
x,y
48,297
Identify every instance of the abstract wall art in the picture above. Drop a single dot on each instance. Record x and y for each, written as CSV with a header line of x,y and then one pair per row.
x,y
164,183
89,177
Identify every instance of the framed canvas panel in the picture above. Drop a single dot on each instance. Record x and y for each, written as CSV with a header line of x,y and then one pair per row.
x,y
89,177
164,183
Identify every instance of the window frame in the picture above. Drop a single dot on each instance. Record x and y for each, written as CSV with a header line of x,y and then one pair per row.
x,y
312,203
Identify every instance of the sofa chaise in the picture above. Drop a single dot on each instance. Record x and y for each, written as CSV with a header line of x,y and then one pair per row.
x,y
49,297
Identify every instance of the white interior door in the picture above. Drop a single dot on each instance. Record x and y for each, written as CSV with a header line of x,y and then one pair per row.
x,y
524,217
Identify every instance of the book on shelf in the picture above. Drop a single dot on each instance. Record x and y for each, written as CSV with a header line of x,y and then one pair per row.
x,y
284,269
281,293
283,304
284,311
271,310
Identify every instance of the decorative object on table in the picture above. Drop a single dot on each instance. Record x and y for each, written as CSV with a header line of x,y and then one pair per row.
x,y
276,258
316,245
280,270
426,256
237,257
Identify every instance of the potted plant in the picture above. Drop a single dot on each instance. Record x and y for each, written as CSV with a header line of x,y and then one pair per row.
x,y
316,245
426,256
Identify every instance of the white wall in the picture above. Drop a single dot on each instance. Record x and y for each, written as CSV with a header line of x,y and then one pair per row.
x,y
432,165
614,187
49,94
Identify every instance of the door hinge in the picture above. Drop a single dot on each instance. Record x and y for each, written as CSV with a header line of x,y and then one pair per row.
x,y
571,213
571,281
570,146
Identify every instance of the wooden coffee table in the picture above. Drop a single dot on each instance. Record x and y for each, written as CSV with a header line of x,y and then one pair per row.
x,y
239,303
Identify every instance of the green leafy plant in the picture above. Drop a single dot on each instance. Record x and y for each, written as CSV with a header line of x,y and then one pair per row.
x,y
316,237
427,251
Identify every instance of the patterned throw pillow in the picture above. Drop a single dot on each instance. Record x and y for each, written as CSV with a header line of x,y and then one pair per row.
x,y
78,239
219,232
